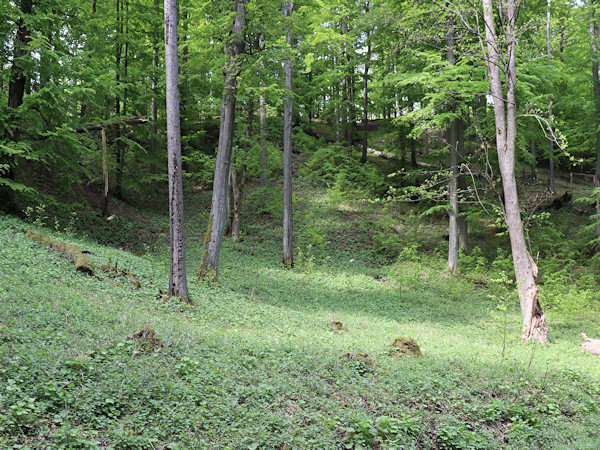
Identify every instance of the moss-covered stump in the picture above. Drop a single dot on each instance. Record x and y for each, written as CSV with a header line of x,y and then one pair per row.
x,y
361,357
404,346
147,339
116,272
76,255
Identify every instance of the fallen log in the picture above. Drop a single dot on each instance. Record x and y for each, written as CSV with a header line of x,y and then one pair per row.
x,y
70,251
591,345
115,124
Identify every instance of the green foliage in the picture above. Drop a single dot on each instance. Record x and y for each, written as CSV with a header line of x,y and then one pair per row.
x,y
337,167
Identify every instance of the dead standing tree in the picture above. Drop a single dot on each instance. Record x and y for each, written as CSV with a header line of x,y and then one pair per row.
x,y
501,56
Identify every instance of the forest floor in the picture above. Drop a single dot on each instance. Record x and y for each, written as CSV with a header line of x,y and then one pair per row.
x,y
257,363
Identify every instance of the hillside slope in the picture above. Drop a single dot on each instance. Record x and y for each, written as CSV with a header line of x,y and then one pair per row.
x,y
256,363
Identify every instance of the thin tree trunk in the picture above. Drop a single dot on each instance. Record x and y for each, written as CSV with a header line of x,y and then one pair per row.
x,y
104,174
177,275
453,137
288,252
337,103
426,142
453,200
209,267
534,321
594,31
240,184
118,52
262,112
153,106
363,158
532,151
462,222
550,118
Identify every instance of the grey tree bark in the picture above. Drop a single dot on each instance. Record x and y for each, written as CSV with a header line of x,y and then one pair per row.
x,y
551,142
288,252
533,319
262,112
239,182
209,267
594,31
453,138
453,199
363,158
177,275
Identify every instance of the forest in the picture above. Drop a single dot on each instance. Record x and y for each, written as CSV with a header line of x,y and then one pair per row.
x,y
300,224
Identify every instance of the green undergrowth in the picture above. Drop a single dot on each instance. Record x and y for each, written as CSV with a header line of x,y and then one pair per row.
x,y
256,364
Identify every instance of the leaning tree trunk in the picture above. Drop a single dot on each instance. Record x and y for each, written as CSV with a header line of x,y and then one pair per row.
x,y
177,275
534,321
288,252
593,27
209,267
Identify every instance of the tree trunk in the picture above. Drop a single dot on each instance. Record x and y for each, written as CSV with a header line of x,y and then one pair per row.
x,y
453,137
288,252
177,275
550,118
209,267
426,142
594,31
363,158
262,112
118,51
534,321
453,199
153,106
337,103
532,151
240,184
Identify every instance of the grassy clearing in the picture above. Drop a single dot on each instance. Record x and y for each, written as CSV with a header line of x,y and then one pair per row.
x,y
255,364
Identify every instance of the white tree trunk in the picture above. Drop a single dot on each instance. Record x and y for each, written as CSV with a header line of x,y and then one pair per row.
x,y
534,321
177,275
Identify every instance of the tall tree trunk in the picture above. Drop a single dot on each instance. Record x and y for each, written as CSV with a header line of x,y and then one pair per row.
x,y
550,118
240,182
262,113
426,142
209,267
118,54
594,31
453,199
153,106
462,222
16,92
177,275
337,102
363,158
453,137
534,321
288,252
